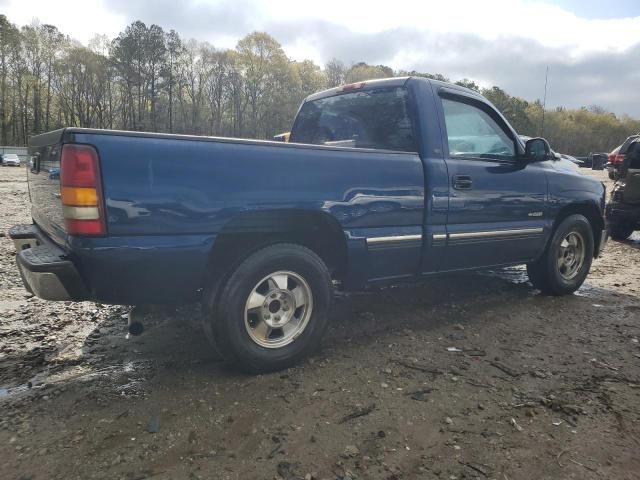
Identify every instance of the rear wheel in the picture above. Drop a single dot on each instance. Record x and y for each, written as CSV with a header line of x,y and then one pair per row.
x,y
621,231
273,309
567,258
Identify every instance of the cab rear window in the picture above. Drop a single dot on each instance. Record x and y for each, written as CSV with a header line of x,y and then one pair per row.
x,y
377,118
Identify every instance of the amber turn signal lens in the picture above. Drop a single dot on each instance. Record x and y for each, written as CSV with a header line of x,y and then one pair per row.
x,y
79,196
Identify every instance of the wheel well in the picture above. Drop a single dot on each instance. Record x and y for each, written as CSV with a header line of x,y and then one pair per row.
x,y
591,213
250,232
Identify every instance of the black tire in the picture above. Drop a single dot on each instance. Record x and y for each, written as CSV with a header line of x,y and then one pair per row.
x,y
545,274
227,318
621,231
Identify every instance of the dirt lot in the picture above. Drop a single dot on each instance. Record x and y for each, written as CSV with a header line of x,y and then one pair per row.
x,y
468,376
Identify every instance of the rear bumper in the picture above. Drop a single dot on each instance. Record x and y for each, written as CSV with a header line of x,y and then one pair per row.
x,y
121,270
45,268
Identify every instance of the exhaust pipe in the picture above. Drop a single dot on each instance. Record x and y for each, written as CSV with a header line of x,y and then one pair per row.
x,y
134,326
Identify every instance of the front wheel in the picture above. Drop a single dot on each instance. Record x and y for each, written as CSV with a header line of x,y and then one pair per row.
x,y
567,259
273,309
621,231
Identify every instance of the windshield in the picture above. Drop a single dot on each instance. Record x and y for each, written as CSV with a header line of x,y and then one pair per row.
x,y
377,118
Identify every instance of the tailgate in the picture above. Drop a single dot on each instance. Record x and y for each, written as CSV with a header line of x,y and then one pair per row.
x,y
44,184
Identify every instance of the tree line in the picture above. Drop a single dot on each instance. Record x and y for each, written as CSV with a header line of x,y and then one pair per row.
x,y
149,79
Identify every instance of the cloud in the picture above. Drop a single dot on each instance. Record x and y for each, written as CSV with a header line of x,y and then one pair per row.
x,y
484,41
606,79
191,18
516,64
508,43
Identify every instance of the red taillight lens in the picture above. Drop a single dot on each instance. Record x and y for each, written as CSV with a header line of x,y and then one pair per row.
x,y
84,227
615,158
79,166
80,188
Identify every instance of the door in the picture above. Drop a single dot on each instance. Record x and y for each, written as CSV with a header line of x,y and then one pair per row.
x,y
496,200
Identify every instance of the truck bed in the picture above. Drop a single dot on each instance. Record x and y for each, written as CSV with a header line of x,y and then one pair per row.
x,y
167,197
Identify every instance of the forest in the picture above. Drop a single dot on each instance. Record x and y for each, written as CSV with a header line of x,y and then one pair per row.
x,y
150,79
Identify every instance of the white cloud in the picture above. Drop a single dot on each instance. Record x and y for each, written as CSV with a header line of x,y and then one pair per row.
x,y
503,42
489,19
549,25
79,19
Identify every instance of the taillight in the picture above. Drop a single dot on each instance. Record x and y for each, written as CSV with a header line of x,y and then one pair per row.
x,y
615,158
80,190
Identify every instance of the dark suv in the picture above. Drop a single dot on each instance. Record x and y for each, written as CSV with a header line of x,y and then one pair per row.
x,y
616,157
623,210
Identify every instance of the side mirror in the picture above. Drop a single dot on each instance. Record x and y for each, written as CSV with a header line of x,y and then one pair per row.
x,y
537,150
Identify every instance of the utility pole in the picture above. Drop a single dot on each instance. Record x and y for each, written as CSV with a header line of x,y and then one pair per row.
x,y
544,101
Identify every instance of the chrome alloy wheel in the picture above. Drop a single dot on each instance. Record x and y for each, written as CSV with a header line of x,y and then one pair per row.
x,y
278,309
571,255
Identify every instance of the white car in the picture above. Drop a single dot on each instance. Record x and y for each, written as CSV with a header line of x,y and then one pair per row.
x,y
10,159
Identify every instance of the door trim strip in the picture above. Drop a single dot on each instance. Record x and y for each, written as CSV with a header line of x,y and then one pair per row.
x,y
394,239
490,234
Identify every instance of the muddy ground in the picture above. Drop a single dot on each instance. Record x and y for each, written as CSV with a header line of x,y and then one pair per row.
x,y
467,376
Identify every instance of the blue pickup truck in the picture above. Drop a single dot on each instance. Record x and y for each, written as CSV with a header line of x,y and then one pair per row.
x,y
381,182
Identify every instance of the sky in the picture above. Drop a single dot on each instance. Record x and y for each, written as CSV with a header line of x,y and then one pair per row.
x,y
592,47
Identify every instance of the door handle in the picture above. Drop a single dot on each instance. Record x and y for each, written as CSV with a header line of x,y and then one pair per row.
x,y
462,182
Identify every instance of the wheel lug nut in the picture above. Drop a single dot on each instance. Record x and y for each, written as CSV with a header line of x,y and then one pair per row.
x,y
277,318
285,308
267,316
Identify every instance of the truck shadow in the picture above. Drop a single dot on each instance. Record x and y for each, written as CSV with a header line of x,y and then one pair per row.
x,y
173,342
174,339
448,299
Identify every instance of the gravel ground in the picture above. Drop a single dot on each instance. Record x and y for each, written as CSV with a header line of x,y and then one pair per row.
x,y
466,376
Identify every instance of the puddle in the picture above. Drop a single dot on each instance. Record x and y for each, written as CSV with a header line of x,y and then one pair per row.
x,y
587,291
136,371
33,384
6,393
516,275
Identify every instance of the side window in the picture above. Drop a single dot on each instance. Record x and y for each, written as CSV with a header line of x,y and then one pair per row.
x,y
633,155
472,133
378,118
